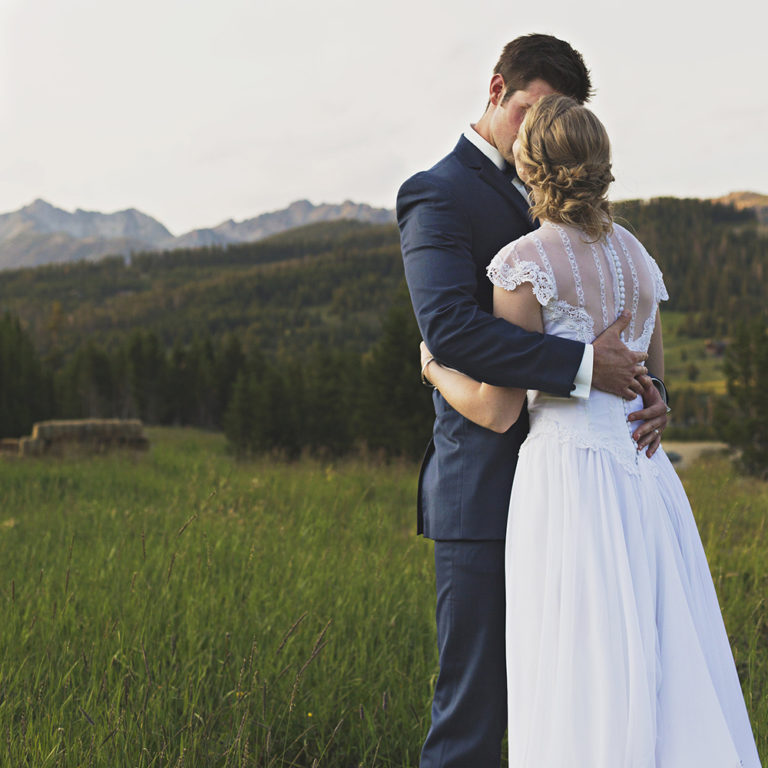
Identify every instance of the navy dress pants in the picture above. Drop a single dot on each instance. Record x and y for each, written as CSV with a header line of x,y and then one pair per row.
x,y
469,709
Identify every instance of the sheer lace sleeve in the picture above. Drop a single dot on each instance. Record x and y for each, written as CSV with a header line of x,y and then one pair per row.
x,y
658,279
509,269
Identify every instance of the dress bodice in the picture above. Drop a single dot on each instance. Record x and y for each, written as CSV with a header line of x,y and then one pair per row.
x,y
582,287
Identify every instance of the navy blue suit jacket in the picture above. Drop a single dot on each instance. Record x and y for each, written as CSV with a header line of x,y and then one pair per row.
x,y
453,219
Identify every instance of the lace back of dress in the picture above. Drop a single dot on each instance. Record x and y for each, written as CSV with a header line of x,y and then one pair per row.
x,y
588,284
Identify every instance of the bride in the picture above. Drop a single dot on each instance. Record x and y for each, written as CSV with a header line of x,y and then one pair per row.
x,y
616,651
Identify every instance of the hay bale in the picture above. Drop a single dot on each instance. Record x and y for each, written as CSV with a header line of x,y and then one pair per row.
x,y
9,445
93,434
30,446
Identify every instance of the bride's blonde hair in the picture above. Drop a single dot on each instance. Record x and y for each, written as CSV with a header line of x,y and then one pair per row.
x,y
566,157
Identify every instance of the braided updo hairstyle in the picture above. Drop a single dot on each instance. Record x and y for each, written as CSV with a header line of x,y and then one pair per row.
x,y
565,157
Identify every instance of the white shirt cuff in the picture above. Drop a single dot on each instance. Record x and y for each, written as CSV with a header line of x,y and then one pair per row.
x,y
582,384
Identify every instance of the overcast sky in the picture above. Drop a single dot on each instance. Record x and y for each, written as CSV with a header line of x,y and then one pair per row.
x,y
195,112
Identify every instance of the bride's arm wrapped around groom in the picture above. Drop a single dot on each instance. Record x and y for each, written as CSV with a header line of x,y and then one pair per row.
x,y
447,239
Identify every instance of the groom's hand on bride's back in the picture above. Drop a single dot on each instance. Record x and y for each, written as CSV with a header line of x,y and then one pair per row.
x,y
615,366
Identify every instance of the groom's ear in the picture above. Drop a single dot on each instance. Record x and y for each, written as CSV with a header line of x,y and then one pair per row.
x,y
496,91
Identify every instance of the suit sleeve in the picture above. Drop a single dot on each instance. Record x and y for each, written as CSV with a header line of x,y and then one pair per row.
x,y
436,243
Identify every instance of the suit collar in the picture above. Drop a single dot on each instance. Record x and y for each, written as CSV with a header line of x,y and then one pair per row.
x,y
493,154
470,155
473,158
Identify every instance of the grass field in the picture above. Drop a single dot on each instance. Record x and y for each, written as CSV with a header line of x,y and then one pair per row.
x,y
181,609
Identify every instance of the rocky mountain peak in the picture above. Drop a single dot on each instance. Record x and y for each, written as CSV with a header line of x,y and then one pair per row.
x,y
41,233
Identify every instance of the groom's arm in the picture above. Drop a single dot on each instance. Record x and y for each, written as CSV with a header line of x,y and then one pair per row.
x,y
435,237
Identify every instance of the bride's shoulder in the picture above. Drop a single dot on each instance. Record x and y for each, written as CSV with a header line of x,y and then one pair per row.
x,y
626,236
630,244
511,250
530,244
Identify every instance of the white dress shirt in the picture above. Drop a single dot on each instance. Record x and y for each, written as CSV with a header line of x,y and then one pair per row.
x,y
582,384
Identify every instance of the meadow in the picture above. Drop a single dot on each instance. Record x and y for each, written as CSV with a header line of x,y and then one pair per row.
x,y
181,608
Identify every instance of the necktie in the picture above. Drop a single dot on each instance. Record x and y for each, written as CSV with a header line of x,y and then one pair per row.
x,y
509,171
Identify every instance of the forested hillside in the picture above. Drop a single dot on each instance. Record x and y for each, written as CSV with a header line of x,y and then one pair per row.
x,y
326,283
306,339
714,259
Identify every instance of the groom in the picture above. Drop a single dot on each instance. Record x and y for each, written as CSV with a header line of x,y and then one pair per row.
x,y
453,219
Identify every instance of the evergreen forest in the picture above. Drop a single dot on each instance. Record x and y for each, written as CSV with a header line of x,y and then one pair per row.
x,y
305,342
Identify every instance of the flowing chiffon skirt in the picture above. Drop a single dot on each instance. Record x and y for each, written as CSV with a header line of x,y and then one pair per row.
x,y
617,656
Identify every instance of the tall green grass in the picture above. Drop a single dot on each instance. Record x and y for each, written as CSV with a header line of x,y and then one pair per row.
x,y
181,609
731,513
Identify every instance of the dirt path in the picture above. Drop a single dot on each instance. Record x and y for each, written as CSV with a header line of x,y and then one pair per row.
x,y
689,452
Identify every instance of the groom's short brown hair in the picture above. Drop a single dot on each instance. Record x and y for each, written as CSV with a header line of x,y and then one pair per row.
x,y
544,57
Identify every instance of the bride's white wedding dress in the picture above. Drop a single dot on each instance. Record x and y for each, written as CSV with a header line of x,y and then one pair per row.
x,y
617,656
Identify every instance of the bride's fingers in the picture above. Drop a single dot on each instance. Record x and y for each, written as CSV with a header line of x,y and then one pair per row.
x,y
647,427
653,444
657,412
646,435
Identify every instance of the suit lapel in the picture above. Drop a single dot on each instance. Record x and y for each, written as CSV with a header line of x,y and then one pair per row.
x,y
490,174
472,157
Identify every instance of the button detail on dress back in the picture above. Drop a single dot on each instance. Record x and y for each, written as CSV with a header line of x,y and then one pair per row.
x,y
619,279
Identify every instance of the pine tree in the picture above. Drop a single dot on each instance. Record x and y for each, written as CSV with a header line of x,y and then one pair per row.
x,y
743,416
241,420
87,385
330,383
147,375
397,412
265,410
230,362
26,390
281,397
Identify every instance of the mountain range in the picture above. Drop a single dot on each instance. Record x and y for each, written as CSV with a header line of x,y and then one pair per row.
x,y
40,233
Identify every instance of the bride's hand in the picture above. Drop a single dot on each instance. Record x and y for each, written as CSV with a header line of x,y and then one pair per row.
x,y
654,418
